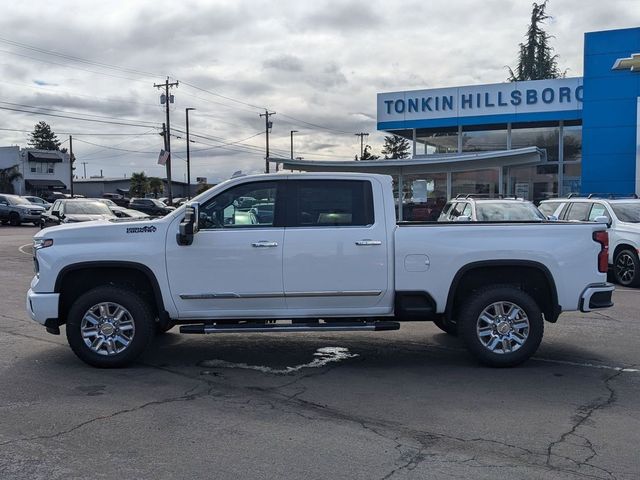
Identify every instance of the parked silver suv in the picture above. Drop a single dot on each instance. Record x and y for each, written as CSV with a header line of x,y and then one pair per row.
x,y
469,208
623,214
16,210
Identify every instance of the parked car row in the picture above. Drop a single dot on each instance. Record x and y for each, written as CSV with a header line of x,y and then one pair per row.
x,y
16,210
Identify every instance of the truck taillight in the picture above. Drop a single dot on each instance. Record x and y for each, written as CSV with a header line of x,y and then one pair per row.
x,y
602,237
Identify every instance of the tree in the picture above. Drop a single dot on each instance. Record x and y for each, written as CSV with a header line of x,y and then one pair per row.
x,y
43,137
536,60
139,184
7,177
395,147
202,187
367,155
156,186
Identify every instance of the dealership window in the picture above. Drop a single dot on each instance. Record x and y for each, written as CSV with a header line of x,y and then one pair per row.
x,y
437,141
547,137
571,180
534,183
424,196
572,143
476,182
485,138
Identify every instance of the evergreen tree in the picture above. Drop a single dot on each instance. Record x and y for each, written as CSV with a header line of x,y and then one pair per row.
x,y
156,186
202,187
43,137
395,146
536,60
367,155
7,177
139,184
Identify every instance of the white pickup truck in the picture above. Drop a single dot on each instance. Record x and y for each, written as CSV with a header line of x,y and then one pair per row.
x,y
311,252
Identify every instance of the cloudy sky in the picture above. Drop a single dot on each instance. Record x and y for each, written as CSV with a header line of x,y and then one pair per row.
x,y
317,64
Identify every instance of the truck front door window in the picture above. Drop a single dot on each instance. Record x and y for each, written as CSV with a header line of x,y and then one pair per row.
x,y
247,205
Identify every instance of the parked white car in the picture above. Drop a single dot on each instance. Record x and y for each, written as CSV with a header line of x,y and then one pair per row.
x,y
623,216
331,258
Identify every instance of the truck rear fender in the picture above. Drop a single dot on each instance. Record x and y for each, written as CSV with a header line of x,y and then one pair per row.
x,y
531,277
76,279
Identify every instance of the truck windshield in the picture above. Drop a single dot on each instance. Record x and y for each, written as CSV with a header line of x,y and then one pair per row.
x,y
627,212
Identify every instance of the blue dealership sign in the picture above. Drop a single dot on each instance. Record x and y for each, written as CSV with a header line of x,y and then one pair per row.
x,y
514,101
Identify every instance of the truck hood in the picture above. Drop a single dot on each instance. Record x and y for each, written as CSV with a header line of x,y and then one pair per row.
x,y
103,229
85,217
628,227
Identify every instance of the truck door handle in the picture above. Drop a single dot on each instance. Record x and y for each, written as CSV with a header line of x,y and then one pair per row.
x,y
264,244
365,243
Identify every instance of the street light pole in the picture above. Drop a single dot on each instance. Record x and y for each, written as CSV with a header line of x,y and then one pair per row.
x,y
292,132
186,112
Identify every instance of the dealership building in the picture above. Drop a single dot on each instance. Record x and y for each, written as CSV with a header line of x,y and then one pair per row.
x,y
534,139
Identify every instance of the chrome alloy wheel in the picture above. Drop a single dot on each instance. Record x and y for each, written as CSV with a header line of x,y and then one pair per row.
x,y
503,327
107,328
625,268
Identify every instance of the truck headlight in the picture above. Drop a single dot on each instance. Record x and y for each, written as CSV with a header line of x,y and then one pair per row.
x,y
42,243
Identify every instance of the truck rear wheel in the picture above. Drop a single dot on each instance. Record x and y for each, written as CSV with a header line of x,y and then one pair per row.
x,y
109,327
14,219
501,325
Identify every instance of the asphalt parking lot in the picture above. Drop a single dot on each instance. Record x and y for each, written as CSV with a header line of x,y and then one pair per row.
x,y
402,405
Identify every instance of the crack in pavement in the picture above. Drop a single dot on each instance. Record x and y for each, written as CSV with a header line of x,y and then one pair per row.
x,y
185,397
584,414
418,441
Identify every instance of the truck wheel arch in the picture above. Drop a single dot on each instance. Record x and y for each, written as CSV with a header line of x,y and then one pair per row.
x,y
533,277
83,277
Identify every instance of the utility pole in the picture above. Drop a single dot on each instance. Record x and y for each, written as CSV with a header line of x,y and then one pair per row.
x,y
167,100
186,112
267,126
361,135
292,132
84,166
71,165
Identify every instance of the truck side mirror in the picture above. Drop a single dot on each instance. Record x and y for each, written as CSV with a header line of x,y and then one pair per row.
x,y
552,218
463,218
190,224
602,219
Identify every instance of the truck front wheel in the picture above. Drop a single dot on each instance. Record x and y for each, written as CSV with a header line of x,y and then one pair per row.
x,y
501,325
109,327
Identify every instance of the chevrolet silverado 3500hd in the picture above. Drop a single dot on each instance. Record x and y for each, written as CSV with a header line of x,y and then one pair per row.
x,y
311,252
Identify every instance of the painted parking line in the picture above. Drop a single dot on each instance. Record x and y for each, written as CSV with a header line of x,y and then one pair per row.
x,y
588,365
21,249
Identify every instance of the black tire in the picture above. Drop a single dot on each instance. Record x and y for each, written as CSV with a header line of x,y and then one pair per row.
x,y
14,219
164,327
626,268
447,326
517,346
141,316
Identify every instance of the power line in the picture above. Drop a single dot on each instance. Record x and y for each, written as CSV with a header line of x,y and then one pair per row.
x,y
72,117
144,73
74,58
75,113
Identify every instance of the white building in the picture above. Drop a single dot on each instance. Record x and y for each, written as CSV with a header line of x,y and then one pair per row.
x,y
42,170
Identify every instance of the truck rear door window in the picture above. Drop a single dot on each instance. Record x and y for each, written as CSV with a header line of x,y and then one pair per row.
x,y
335,203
